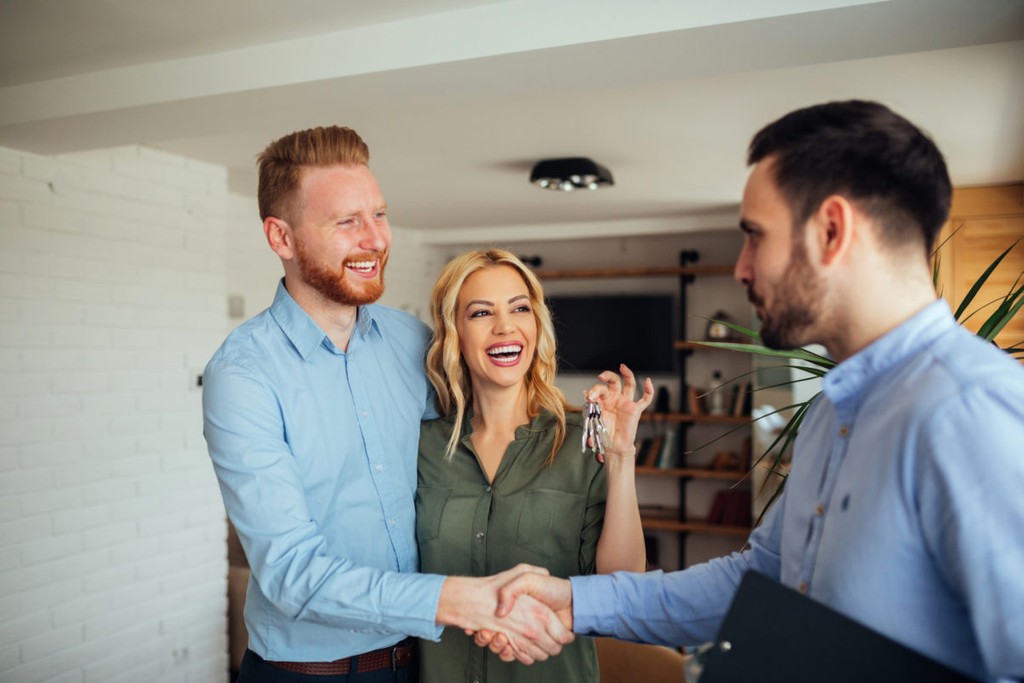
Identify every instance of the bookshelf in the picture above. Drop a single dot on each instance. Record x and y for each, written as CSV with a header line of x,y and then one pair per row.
x,y
690,426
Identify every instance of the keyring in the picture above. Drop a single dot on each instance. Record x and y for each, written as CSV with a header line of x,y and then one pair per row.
x,y
593,430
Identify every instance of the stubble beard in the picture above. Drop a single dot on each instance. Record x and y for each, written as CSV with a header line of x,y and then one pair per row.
x,y
797,300
333,283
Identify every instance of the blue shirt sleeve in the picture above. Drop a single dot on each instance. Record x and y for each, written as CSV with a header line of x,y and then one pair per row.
x,y
677,608
970,495
264,496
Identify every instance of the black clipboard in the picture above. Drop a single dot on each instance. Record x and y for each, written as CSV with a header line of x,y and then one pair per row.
x,y
773,634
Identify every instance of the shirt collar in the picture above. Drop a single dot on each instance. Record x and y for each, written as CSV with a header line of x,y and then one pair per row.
x,y
303,332
538,423
848,380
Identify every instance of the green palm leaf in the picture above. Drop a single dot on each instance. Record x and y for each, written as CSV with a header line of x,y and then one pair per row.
x,y
1007,307
981,281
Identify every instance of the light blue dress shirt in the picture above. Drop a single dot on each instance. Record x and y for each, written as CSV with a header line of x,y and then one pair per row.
x,y
904,511
315,452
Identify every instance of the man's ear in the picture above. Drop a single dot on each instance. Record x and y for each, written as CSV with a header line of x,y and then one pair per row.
x,y
834,224
279,237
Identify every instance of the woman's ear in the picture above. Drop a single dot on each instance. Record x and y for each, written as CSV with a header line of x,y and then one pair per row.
x,y
279,237
834,228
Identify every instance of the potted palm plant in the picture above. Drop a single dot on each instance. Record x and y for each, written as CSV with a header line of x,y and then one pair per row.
x,y
810,365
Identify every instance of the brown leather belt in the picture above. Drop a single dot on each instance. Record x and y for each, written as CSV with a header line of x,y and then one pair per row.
x,y
392,657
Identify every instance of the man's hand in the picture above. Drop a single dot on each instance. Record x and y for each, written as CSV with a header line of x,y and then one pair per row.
x,y
529,588
531,630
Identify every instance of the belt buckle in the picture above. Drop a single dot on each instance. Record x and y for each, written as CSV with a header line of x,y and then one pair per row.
x,y
394,657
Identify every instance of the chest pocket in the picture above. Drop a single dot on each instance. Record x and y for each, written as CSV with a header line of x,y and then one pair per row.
x,y
550,522
430,502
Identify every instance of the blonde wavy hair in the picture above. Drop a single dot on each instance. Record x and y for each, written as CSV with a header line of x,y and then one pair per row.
x,y
446,368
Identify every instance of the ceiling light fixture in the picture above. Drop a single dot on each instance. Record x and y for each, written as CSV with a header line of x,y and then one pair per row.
x,y
566,175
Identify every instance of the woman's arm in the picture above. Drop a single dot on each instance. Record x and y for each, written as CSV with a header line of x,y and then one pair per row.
x,y
621,545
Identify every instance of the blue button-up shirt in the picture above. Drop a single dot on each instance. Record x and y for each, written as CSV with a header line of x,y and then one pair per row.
x,y
904,511
315,452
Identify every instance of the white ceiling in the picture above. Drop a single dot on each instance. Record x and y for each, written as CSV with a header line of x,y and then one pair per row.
x,y
457,98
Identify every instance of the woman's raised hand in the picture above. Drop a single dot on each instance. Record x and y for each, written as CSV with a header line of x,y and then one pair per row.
x,y
621,414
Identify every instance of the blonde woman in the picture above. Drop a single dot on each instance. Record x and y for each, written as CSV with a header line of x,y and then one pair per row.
x,y
502,479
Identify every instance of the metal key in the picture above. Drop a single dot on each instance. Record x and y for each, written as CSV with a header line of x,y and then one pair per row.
x,y
593,430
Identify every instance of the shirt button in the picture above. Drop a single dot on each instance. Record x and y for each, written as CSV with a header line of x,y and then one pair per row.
x,y
479,535
819,509
488,489
844,431
365,413
392,522
379,467
802,587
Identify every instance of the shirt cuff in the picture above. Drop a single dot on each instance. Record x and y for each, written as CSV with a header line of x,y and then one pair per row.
x,y
594,600
412,605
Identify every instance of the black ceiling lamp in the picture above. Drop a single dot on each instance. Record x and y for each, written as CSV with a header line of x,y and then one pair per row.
x,y
573,173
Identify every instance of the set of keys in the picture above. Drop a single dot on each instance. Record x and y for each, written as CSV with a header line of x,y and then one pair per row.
x,y
593,430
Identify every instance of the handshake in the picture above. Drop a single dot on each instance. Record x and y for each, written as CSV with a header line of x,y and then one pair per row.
x,y
520,614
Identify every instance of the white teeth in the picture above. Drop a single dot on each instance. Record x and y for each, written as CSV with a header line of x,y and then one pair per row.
x,y
361,265
507,349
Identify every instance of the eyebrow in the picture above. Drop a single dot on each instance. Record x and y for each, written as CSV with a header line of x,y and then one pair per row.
x,y
485,302
334,218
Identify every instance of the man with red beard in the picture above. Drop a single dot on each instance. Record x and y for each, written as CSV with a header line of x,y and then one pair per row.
x,y
312,414
905,503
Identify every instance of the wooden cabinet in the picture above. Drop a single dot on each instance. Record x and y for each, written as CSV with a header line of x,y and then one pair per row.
x,y
689,467
983,222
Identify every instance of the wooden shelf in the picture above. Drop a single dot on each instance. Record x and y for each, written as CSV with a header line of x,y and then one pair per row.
x,y
691,419
691,473
579,273
693,527
655,517
694,346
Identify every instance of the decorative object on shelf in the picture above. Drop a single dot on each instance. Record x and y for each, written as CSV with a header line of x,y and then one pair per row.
x,y
725,461
571,173
718,327
532,261
694,402
716,395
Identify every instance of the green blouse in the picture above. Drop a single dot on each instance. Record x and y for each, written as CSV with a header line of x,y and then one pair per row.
x,y
549,516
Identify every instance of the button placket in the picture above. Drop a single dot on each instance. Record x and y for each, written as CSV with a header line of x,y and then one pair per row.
x,y
837,454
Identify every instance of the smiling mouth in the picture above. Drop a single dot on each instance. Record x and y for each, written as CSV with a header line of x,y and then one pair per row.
x,y
505,354
362,268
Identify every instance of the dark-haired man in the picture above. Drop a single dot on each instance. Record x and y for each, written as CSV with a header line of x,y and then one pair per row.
x,y
905,504
312,413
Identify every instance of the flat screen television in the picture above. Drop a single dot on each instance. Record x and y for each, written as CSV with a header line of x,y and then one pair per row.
x,y
597,332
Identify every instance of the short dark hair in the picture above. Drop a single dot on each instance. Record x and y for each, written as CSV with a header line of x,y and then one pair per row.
x,y
867,153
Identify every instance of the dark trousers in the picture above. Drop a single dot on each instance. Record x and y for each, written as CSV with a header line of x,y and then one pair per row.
x,y
255,669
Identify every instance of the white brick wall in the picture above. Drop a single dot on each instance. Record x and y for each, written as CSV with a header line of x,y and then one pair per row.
x,y
253,270
112,535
